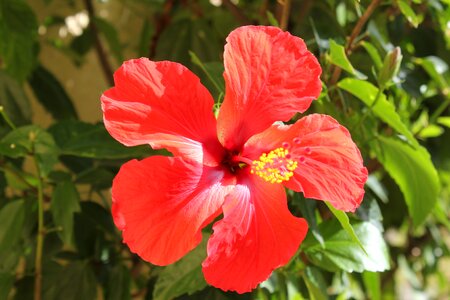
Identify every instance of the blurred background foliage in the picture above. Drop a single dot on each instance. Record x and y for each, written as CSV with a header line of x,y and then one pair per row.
x,y
385,77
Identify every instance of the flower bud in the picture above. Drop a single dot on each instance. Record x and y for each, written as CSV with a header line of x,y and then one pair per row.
x,y
390,67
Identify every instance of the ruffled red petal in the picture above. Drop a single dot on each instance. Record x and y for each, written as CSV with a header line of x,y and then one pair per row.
x,y
269,76
256,235
162,203
162,104
330,166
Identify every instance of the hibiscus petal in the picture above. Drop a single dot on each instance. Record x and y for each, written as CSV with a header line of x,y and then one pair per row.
x,y
162,203
162,104
330,166
269,76
256,235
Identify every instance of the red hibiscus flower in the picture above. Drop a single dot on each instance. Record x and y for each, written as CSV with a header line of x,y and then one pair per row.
x,y
236,165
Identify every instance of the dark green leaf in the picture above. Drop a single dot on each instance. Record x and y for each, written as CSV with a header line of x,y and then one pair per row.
x,y
51,94
212,70
119,284
18,33
14,101
31,140
111,36
414,172
12,217
88,140
340,252
184,276
76,281
65,202
6,283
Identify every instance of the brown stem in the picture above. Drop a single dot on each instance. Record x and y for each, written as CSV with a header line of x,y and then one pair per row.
x,y
355,32
284,20
237,12
161,23
304,9
101,54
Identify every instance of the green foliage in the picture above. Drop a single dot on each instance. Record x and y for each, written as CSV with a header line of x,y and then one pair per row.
x,y
385,77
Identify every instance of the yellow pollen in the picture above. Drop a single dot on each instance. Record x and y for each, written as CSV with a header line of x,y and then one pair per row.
x,y
275,166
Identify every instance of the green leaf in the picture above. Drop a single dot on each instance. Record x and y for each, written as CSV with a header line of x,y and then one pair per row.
x,y
431,131
345,223
119,284
444,121
6,283
14,100
65,202
75,281
414,173
18,34
31,140
373,285
340,252
12,217
317,288
383,109
373,53
339,58
184,276
435,67
112,37
409,13
93,141
212,70
51,94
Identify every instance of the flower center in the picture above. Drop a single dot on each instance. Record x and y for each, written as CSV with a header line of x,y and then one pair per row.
x,y
275,166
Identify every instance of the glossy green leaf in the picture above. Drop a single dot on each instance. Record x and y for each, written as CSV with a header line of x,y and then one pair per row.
x,y
65,202
339,58
409,13
12,217
413,171
18,34
51,94
383,109
340,252
435,67
182,277
445,121
345,223
431,131
89,140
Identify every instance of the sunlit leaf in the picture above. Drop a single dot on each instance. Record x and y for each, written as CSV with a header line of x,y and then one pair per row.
x,y
383,109
182,277
340,252
414,172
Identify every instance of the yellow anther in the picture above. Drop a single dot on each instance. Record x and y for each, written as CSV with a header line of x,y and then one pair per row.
x,y
275,166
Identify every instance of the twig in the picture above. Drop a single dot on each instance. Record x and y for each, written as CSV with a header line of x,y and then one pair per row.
x,y
237,12
161,23
284,20
304,9
355,32
101,54
40,234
